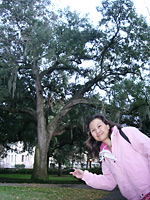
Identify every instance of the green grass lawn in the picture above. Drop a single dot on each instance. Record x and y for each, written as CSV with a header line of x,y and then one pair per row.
x,y
46,193
40,193
27,178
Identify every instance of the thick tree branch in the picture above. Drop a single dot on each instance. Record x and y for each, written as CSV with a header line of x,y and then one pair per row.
x,y
62,66
19,110
53,125
85,88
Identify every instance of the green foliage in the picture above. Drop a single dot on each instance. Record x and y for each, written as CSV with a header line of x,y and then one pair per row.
x,y
129,102
15,171
25,131
118,46
121,37
19,166
96,170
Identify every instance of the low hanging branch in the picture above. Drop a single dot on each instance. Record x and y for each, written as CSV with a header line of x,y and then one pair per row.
x,y
52,126
19,110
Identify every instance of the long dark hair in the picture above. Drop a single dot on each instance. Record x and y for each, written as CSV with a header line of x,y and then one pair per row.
x,y
92,145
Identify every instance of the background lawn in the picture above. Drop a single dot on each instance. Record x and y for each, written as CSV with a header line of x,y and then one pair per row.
x,y
26,178
47,193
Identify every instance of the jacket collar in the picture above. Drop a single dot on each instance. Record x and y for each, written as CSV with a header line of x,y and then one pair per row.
x,y
104,150
104,147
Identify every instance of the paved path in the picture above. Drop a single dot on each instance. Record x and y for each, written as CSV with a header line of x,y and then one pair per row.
x,y
113,195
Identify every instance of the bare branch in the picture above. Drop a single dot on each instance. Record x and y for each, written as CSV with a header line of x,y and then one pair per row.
x,y
107,47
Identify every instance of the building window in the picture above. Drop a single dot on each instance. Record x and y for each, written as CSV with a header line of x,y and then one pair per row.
x,y
22,158
8,158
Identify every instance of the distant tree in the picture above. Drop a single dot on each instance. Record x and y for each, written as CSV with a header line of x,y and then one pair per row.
x,y
42,55
129,102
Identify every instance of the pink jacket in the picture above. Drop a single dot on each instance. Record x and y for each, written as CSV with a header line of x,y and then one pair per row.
x,y
128,165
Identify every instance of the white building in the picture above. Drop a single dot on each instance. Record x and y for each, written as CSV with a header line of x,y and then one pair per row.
x,y
15,156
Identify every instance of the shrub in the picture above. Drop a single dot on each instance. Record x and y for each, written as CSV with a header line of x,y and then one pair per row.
x,y
19,166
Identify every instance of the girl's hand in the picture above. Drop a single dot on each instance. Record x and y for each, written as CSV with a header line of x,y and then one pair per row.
x,y
78,173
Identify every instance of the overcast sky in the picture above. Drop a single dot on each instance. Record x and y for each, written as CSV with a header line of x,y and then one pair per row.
x,y
89,6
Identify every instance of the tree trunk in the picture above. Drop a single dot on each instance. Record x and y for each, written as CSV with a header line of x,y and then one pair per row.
x,y
40,170
60,169
87,162
40,164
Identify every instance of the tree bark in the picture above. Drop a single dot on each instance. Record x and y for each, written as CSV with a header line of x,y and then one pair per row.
x,y
40,164
60,169
40,161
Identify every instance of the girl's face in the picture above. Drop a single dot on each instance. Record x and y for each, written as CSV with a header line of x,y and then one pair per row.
x,y
99,130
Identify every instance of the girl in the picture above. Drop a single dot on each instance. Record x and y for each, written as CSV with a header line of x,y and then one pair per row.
x,y
124,163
